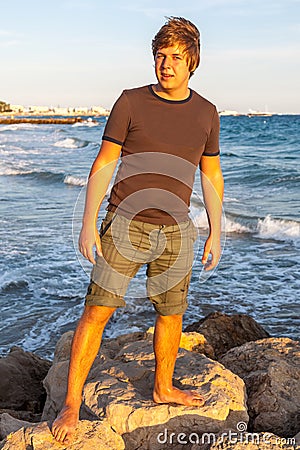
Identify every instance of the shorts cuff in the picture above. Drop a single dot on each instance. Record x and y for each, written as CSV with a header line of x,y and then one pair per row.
x,y
97,300
171,310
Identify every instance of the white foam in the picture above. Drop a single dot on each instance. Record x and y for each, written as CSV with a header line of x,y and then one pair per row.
x,y
231,200
87,123
278,228
15,126
75,181
12,172
70,143
228,225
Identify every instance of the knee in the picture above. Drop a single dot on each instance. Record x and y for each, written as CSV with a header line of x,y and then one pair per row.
x,y
97,314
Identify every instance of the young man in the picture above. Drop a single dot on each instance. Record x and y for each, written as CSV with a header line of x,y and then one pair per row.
x,y
163,132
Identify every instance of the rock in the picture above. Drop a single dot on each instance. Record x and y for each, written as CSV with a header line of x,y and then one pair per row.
x,y
27,416
55,385
111,347
194,342
271,371
121,391
224,332
9,424
251,441
88,436
21,375
63,347
15,441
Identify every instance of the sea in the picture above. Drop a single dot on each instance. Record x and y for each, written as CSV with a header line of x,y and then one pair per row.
x,y
43,277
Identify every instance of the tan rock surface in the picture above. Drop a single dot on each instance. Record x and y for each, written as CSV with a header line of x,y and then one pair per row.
x,y
224,332
119,389
252,441
271,371
194,342
9,424
89,435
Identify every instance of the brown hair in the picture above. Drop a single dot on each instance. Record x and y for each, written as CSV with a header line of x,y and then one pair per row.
x,y
185,34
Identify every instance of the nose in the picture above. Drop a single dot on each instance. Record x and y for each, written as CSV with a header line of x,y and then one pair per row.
x,y
166,62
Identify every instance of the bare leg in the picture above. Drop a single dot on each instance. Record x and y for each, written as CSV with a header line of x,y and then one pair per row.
x,y
166,342
85,346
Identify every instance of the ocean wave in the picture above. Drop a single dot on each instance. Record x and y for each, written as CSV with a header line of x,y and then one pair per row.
x,y
7,171
36,174
19,126
228,225
71,143
75,181
44,176
87,123
266,228
14,285
278,228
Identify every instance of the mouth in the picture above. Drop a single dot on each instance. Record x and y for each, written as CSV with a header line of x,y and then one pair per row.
x,y
166,76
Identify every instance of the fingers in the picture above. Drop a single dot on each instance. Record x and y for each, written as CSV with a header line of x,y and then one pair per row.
x,y
87,252
87,240
205,257
98,246
213,262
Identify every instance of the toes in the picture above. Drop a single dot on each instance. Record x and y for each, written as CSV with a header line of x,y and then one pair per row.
x,y
54,431
199,401
61,435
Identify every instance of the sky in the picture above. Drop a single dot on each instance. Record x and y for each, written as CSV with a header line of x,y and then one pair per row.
x,y
85,52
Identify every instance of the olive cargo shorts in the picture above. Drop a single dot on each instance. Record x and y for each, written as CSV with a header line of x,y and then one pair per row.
x,y
168,251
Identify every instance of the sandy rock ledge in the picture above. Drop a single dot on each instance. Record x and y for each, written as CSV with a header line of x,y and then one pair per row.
x,y
89,436
119,390
271,371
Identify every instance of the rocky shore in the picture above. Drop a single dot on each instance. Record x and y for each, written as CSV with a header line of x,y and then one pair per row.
x,y
251,383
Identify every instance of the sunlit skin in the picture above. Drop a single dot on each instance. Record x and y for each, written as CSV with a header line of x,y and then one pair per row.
x,y
172,74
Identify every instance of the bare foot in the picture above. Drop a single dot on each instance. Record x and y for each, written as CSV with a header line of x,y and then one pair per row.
x,y
174,395
65,424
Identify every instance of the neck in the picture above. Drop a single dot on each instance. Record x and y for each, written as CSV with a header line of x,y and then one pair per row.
x,y
178,94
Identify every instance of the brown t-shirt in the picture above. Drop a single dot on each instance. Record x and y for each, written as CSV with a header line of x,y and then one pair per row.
x,y
162,144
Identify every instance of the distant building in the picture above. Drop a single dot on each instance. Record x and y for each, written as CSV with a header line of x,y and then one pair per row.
x,y
4,107
100,110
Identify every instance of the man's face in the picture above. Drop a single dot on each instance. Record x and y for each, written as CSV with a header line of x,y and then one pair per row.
x,y
171,68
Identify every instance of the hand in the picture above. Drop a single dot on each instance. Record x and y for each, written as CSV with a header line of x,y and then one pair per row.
x,y
88,238
212,247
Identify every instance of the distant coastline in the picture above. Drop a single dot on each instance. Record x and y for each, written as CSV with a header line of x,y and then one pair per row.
x,y
19,111
10,111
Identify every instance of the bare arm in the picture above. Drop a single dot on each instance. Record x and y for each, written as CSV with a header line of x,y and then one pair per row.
x,y
99,178
213,189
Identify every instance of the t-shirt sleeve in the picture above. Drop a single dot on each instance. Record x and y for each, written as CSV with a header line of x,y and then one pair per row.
x,y
212,145
117,126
